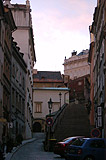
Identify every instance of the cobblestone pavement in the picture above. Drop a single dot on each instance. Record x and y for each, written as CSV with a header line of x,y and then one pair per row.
x,y
34,151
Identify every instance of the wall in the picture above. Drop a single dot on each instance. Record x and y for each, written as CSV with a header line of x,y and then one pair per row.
x,y
1,92
76,66
44,96
24,37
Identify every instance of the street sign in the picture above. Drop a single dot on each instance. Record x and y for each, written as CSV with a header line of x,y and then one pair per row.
x,y
10,125
95,132
49,121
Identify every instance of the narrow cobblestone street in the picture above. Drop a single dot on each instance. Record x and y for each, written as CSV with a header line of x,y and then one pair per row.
x,y
34,151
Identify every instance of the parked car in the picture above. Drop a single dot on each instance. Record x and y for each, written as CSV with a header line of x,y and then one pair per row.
x,y
87,149
60,147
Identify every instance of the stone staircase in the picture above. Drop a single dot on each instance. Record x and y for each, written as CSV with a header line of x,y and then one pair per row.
x,y
74,122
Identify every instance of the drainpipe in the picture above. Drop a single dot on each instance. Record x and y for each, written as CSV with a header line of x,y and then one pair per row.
x,y
65,97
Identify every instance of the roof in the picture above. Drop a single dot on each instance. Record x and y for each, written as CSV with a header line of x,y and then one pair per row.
x,y
47,76
82,53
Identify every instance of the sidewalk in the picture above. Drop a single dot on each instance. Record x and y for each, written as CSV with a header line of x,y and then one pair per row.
x,y
8,156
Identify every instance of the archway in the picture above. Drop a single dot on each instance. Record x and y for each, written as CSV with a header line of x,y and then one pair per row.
x,y
36,127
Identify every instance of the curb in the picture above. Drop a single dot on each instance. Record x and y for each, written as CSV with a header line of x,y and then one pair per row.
x,y
15,149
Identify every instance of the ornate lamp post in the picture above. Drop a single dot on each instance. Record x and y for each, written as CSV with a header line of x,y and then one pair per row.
x,y
50,105
60,99
49,122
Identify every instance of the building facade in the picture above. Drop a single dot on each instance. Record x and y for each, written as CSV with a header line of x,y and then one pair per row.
x,y
91,62
98,30
25,40
2,29
47,85
80,88
18,93
105,72
77,65
77,76
7,49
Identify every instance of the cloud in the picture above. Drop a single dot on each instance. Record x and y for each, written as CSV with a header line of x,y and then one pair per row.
x,y
59,29
73,16
60,26
56,26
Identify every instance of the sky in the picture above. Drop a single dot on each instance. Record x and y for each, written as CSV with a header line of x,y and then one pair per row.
x,y
59,26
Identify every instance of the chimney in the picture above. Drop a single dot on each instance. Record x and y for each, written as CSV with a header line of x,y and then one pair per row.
x,y
74,53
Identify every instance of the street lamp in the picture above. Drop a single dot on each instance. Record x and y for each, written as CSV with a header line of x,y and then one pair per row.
x,y
49,129
60,99
50,106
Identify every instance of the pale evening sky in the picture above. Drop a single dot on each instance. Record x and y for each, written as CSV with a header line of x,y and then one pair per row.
x,y
60,26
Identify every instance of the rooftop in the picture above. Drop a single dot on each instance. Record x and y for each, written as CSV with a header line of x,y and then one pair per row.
x,y
47,75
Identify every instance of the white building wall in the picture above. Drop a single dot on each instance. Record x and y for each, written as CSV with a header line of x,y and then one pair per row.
x,y
44,96
21,36
76,66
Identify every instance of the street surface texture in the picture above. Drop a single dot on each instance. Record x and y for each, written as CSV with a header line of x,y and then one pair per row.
x,y
34,151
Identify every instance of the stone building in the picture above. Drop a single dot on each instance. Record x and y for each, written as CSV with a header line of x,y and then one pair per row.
x,y
99,32
80,88
77,65
25,40
91,62
76,74
2,29
7,29
18,93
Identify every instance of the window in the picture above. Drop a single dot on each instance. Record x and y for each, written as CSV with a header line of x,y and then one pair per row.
x,y
78,142
8,72
13,70
38,107
17,77
97,144
13,96
1,71
23,83
2,35
20,102
23,106
20,79
16,99
0,31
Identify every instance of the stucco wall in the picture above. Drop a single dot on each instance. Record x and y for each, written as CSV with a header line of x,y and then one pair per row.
x,y
76,66
44,96
21,37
